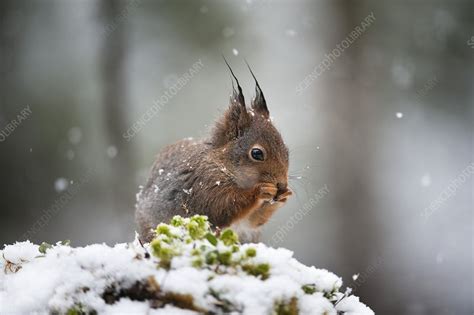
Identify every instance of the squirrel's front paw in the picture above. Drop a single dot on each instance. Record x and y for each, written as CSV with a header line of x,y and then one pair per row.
x,y
283,196
266,192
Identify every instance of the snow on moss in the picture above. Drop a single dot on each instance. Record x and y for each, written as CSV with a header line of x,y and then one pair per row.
x,y
186,269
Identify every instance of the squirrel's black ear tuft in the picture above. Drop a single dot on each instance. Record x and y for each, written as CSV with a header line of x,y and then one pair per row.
x,y
235,120
237,97
259,104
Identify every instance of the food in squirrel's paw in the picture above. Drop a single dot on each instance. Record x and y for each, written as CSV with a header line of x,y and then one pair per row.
x,y
238,176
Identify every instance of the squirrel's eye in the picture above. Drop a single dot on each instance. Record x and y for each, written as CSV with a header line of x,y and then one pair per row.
x,y
257,154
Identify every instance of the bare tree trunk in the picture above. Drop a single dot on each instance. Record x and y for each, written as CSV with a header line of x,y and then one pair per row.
x,y
114,55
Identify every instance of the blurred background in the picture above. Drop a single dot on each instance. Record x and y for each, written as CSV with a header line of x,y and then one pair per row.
x,y
387,128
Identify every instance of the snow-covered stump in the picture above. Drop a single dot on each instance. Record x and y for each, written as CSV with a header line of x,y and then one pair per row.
x,y
187,269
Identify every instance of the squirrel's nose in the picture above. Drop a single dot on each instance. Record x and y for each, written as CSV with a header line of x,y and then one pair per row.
x,y
282,187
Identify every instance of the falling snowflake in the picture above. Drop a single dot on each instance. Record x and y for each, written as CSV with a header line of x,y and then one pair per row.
x,y
60,184
399,115
425,180
70,155
290,32
218,182
75,135
235,52
139,194
355,277
228,32
112,151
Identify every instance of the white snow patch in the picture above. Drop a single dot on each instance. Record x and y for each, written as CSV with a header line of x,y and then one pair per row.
x,y
66,277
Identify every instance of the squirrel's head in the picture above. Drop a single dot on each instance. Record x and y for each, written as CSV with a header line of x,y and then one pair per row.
x,y
251,143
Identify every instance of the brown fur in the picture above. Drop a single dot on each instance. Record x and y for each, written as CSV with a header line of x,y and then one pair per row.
x,y
217,177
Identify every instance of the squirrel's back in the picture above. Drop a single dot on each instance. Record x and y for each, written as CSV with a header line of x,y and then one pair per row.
x,y
171,180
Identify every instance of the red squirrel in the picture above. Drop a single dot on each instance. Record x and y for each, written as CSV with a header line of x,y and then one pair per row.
x,y
237,177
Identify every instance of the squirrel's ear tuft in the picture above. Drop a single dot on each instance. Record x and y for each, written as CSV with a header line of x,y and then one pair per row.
x,y
237,97
259,104
235,120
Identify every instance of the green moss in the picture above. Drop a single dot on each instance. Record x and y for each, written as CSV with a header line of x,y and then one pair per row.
x,y
229,237
309,288
251,252
211,258
163,251
260,270
209,251
197,226
287,308
194,230
177,221
79,309
198,263
44,247
224,258
163,229
201,220
211,238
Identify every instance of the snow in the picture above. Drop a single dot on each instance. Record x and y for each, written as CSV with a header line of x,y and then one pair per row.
x,y
20,252
75,135
228,32
70,155
204,9
127,306
351,305
60,184
64,278
425,180
290,32
112,151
